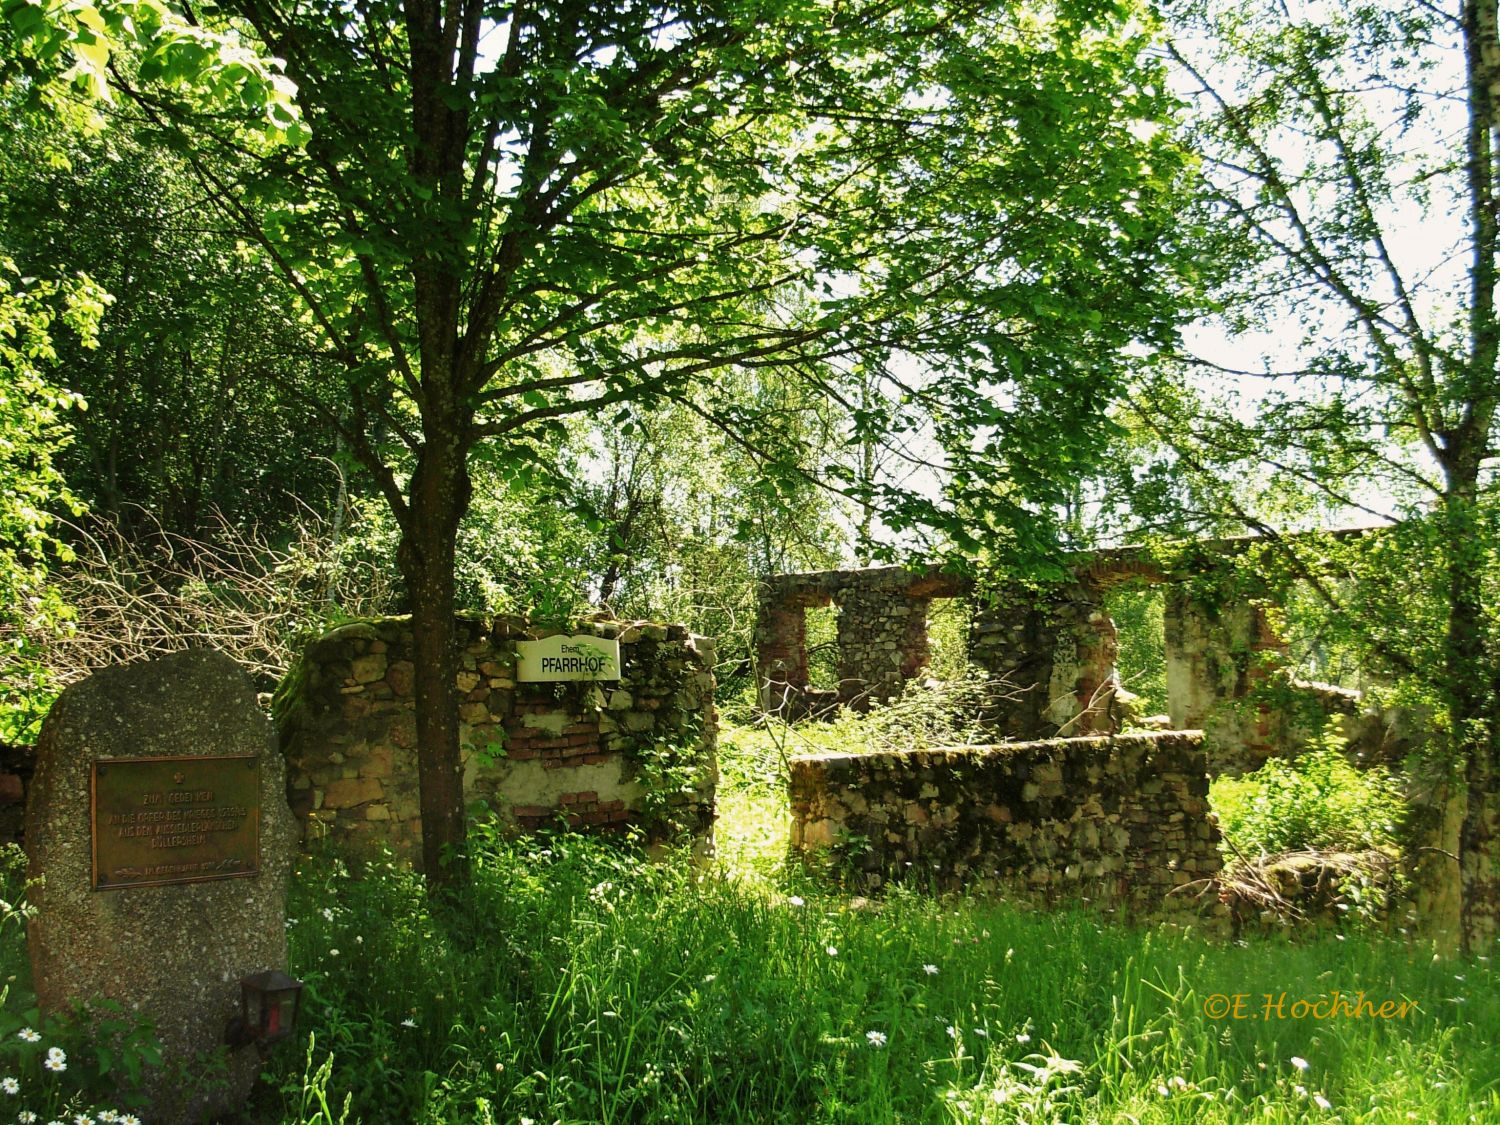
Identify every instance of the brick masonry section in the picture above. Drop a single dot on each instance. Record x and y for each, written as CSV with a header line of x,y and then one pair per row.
x,y
1122,821
535,755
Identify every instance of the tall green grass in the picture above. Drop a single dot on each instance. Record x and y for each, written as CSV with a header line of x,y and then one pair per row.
x,y
577,984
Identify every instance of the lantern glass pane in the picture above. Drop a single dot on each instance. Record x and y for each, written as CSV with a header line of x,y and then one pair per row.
x,y
251,1002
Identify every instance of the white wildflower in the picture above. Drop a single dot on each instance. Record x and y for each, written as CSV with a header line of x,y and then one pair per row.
x,y
57,1059
876,1038
1300,1063
1322,1102
930,970
30,1036
10,1085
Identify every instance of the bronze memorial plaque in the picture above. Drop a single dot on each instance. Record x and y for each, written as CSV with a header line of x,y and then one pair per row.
x,y
175,820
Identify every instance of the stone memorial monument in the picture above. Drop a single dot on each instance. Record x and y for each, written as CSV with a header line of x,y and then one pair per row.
x,y
160,842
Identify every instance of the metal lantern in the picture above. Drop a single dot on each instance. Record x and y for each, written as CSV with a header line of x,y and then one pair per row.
x,y
268,1009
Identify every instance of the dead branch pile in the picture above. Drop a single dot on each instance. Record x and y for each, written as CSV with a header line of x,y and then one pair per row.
x,y
1306,886
233,590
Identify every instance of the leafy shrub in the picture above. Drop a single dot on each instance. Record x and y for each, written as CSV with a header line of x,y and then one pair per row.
x,y
1317,800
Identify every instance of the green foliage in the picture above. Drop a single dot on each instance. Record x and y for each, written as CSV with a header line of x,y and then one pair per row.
x,y
200,376
670,768
1323,132
519,552
603,218
1142,659
682,525
1316,800
32,431
79,47
948,621
926,714
313,1106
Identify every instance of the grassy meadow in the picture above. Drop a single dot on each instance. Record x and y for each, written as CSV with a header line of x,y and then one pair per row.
x,y
579,984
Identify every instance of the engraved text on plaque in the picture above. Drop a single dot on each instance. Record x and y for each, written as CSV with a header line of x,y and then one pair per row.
x,y
175,820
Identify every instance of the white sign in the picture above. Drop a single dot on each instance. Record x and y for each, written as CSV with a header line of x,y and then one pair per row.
x,y
553,659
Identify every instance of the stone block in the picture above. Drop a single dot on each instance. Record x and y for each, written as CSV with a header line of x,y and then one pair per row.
x,y
171,950
367,669
350,791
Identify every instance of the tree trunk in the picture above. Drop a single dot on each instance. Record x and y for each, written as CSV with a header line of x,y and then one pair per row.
x,y
1472,732
439,497
1468,644
1439,876
1480,852
1467,673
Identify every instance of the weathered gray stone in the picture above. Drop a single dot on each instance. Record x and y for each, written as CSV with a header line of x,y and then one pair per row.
x,y
173,954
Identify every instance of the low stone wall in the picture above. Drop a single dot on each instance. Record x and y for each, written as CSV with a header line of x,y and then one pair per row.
x,y
1121,820
638,753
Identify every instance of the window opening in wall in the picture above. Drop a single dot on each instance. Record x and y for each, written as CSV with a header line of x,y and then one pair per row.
x,y
1320,645
822,624
1138,614
948,638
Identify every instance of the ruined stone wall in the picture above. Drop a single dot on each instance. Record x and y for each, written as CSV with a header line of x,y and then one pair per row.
x,y
637,753
1220,660
1053,662
1120,820
1053,655
882,634
1050,655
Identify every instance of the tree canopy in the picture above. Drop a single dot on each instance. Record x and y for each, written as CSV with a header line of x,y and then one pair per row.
x,y
503,218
